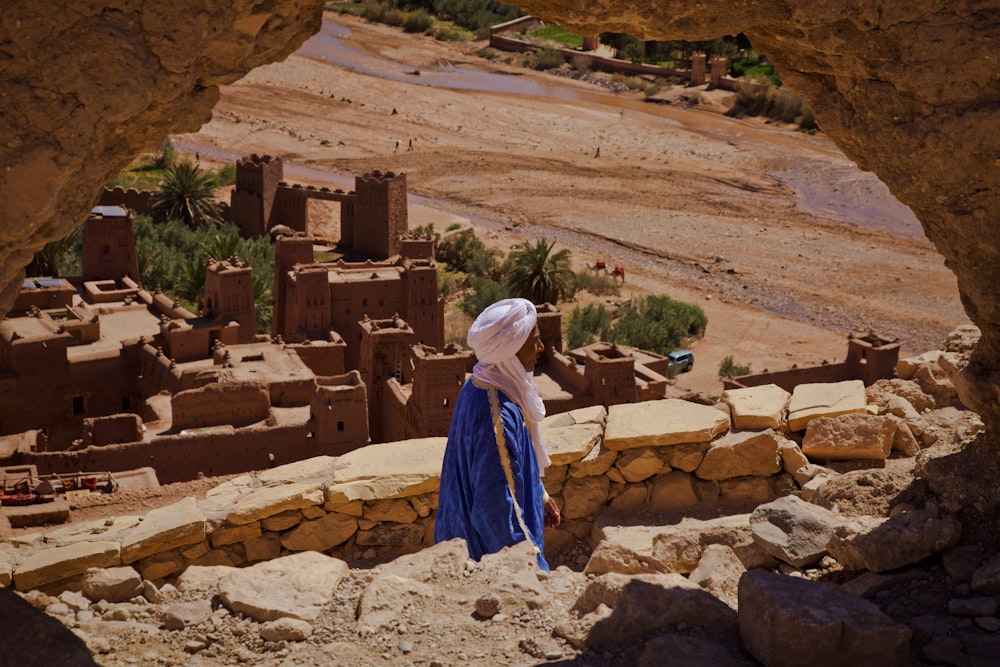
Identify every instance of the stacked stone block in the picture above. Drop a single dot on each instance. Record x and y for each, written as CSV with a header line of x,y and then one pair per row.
x,y
378,502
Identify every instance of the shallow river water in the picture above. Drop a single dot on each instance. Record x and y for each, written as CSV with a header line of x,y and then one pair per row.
x,y
818,195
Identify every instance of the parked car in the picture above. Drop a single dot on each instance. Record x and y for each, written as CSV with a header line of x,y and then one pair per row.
x,y
682,359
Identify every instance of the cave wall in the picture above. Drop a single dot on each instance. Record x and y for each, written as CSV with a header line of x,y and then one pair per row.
x,y
85,86
907,88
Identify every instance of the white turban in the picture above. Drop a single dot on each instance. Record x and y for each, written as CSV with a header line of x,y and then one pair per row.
x,y
496,336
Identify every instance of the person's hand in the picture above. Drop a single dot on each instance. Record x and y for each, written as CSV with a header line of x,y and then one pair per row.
x,y
552,518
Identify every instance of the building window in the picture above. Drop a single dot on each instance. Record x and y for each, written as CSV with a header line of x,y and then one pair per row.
x,y
126,404
340,426
78,405
364,303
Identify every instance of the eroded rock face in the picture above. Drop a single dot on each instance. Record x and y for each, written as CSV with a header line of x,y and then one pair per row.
x,y
85,86
907,89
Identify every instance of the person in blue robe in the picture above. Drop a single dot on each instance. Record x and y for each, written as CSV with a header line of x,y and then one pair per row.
x,y
492,497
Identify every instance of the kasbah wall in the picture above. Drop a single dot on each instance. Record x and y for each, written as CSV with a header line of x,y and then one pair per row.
x,y
99,373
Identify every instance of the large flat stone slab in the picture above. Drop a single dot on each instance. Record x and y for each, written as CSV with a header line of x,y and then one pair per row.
x,y
757,408
569,444
594,414
162,529
315,469
107,529
825,399
657,423
270,500
296,586
47,566
388,470
419,455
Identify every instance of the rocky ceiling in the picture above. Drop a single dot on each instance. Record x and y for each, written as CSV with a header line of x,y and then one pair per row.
x,y
908,89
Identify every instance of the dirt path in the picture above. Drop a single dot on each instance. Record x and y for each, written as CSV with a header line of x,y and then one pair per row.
x,y
773,232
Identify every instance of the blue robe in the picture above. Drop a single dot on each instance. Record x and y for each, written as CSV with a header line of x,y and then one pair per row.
x,y
474,500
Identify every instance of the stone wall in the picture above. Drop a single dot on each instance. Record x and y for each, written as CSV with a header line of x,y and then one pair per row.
x,y
378,502
922,121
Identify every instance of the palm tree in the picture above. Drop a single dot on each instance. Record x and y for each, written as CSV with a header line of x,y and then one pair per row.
x,y
186,193
58,258
535,273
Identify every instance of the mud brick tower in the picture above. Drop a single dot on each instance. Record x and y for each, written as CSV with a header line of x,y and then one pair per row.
x,y
437,379
229,295
380,213
385,353
252,200
109,245
613,375
550,329
339,413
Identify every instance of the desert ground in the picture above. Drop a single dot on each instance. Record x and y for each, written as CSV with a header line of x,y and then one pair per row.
x,y
779,237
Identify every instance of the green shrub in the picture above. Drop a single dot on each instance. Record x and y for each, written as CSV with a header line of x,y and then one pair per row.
x,y
425,230
452,227
61,257
556,34
355,8
226,174
417,21
757,97
484,291
596,284
488,53
448,33
172,255
546,59
659,324
807,121
167,157
451,282
466,253
394,17
373,11
587,325
730,369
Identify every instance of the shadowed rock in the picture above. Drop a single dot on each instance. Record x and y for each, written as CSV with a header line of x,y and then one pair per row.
x,y
32,637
